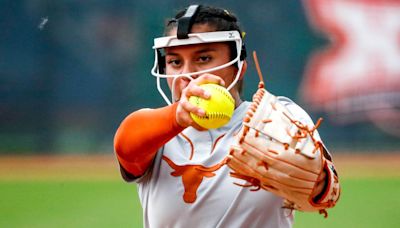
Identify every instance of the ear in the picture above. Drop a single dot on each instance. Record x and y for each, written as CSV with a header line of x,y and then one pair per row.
x,y
244,69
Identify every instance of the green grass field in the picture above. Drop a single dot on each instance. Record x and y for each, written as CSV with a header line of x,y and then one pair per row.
x,y
54,196
68,204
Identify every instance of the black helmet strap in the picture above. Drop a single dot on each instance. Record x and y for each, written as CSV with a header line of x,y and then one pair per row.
x,y
186,21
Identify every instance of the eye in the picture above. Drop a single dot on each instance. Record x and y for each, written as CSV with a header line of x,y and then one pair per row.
x,y
204,59
174,62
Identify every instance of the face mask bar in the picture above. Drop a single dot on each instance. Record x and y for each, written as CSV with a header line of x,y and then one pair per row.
x,y
194,38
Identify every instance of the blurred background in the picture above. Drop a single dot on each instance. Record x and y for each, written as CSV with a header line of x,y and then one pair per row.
x,y
71,71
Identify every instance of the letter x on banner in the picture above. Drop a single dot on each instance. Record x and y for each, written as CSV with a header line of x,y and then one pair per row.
x,y
357,76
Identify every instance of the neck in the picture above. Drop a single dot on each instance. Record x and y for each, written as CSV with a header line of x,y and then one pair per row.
x,y
236,97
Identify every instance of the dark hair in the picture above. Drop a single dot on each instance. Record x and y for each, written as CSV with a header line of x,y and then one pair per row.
x,y
218,18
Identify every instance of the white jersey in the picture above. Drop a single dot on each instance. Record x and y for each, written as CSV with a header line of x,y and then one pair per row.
x,y
188,187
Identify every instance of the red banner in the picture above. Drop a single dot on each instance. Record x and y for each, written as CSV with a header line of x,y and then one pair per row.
x,y
357,76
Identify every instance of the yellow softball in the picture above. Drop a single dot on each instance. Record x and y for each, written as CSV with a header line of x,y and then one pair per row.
x,y
219,108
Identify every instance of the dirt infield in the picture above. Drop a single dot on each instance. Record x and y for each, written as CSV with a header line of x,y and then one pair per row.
x,y
87,167
382,165
105,167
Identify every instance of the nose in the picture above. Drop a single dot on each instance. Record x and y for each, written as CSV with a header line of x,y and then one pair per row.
x,y
183,81
189,68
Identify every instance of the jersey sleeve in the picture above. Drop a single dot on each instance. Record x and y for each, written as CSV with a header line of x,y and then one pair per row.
x,y
139,137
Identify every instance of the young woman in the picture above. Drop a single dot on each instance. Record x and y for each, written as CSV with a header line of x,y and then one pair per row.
x,y
179,166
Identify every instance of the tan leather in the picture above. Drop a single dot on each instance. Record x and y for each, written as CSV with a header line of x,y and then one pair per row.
x,y
278,153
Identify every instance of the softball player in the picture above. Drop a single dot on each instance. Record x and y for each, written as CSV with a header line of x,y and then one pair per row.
x,y
178,166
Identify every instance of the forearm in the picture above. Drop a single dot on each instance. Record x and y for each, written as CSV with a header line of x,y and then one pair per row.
x,y
141,134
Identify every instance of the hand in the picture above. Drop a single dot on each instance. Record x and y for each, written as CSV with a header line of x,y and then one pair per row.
x,y
184,108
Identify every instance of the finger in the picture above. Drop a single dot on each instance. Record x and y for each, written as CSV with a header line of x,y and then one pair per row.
x,y
195,90
189,107
186,120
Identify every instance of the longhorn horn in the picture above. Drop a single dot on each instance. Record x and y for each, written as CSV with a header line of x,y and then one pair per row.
x,y
171,163
213,168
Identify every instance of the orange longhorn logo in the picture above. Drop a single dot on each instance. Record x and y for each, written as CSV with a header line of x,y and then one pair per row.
x,y
192,176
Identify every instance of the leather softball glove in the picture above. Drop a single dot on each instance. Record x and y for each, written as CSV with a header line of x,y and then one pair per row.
x,y
276,152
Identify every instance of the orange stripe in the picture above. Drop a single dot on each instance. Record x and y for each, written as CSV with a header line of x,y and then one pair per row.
x,y
216,141
191,145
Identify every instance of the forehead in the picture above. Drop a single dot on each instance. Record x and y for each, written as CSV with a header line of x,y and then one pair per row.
x,y
220,47
196,28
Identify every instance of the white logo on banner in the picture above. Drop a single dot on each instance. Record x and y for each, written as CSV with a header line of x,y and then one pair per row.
x,y
357,77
